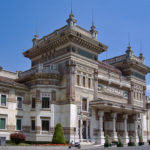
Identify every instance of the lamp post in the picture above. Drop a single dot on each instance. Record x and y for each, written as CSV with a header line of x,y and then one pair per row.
x,y
74,134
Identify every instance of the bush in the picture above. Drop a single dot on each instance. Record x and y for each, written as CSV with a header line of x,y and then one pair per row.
x,y
17,137
141,141
107,141
131,142
119,144
58,137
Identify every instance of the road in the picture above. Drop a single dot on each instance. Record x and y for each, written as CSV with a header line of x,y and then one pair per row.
x,y
66,148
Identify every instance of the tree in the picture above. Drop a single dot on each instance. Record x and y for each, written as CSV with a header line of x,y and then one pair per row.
x,y
58,137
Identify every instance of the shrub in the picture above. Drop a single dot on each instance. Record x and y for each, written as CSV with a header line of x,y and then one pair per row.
x,y
58,137
17,137
119,144
131,142
107,141
141,141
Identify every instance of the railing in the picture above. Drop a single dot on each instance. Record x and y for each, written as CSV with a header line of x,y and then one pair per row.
x,y
119,81
38,70
133,57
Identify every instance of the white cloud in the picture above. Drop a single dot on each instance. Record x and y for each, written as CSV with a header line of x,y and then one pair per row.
x,y
148,90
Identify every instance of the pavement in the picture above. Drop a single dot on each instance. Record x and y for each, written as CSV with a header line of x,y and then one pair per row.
x,y
84,147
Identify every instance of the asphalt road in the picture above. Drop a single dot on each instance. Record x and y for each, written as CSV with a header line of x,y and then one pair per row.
x,y
66,148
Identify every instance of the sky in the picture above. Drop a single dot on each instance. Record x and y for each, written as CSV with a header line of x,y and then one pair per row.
x,y
118,22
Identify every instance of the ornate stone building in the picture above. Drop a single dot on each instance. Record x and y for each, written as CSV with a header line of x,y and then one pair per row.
x,y
67,84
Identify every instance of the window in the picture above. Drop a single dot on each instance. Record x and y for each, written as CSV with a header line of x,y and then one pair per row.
x,y
3,100
19,102
45,125
45,102
33,125
18,124
89,83
53,95
33,102
83,81
2,123
84,104
78,80
100,87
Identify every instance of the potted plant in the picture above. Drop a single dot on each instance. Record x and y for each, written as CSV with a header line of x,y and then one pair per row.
x,y
131,142
107,141
141,141
119,144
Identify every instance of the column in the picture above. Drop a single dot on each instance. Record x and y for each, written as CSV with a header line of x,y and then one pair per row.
x,y
135,117
87,133
114,133
125,134
81,128
101,132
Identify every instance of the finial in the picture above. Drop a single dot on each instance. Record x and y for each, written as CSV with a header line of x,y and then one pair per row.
x,y
93,28
141,47
71,6
92,18
141,53
71,20
129,41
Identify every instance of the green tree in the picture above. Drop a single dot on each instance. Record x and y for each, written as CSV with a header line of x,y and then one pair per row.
x,y
58,137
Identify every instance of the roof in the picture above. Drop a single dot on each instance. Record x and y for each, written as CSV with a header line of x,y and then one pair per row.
x,y
11,82
109,68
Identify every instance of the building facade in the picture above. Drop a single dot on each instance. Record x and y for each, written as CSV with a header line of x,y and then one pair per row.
x,y
67,84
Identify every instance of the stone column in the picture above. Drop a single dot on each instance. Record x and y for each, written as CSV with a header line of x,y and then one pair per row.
x,y
114,133
87,132
95,84
81,128
131,94
125,134
70,80
101,132
135,117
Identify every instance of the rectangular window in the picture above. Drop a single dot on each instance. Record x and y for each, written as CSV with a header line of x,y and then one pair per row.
x,y
89,83
33,125
84,104
33,102
83,81
45,125
2,123
19,102
3,100
78,80
18,124
45,102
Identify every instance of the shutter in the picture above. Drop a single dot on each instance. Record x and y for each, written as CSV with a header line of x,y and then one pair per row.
x,y
3,99
18,127
2,123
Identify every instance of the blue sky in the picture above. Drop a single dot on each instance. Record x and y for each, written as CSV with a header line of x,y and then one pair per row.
x,y
114,20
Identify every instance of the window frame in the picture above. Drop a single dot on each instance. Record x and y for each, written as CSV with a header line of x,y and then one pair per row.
x,y
32,103
1,99
44,131
1,117
34,125
87,104
42,102
17,102
21,124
